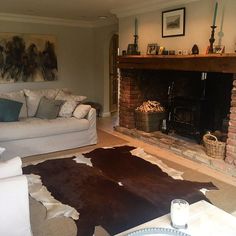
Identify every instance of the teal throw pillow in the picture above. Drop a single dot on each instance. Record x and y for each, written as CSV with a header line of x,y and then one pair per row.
x,y
48,108
9,110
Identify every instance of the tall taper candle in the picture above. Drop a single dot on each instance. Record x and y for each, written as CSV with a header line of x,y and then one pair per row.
x,y
135,26
215,13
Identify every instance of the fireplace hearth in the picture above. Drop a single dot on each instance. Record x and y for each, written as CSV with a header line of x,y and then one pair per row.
x,y
202,99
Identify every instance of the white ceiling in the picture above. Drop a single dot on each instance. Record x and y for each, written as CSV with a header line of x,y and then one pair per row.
x,y
80,10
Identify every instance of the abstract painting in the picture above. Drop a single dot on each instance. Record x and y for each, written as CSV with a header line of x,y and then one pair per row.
x,y
27,58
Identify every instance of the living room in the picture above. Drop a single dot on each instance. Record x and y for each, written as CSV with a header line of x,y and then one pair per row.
x,y
82,33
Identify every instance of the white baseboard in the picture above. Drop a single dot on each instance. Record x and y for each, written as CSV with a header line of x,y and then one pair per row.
x,y
106,114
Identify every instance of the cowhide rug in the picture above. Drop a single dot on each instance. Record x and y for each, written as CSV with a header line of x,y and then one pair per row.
x,y
118,191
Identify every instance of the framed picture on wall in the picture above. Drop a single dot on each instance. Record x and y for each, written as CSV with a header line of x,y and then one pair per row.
x,y
173,23
28,58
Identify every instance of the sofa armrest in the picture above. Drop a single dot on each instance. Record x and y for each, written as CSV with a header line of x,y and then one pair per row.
x,y
91,115
14,205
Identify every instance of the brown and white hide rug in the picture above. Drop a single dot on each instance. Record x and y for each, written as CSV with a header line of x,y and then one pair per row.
x,y
117,191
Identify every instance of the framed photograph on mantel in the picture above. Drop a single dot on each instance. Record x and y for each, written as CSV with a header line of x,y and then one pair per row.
x,y
152,49
173,23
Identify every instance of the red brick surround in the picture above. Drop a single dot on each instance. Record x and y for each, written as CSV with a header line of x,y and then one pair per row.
x,y
130,98
231,141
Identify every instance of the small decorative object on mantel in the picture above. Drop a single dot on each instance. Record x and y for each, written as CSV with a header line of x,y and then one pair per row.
x,y
171,52
165,52
152,49
213,27
161,49
219,49
133,48
179,52
195,49
186,52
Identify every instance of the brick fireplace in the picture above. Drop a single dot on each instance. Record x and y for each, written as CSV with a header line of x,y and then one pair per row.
x,y
134,70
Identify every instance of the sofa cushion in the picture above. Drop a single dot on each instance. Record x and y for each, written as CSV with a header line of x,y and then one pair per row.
x,y
9,110
81,111
71,101
33,98
36,127
18,96
48,108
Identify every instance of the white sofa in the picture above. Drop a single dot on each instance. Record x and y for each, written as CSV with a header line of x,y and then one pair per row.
x,y
31,135
14,200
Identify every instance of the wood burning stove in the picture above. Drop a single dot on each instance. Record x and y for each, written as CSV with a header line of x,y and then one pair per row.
x,y
185,111
206,110
186,116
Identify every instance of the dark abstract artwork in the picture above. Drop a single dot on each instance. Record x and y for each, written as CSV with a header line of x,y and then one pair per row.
x,y
27,58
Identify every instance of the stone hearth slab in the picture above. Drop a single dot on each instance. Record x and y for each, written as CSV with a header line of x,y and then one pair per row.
x,y
181,146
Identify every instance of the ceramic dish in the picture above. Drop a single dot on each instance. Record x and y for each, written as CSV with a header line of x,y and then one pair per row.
x,y
157,231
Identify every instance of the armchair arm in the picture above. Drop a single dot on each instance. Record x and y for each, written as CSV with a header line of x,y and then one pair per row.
x,y
14,207
11,168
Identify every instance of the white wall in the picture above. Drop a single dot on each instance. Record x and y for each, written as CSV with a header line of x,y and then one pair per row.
x,y
82,59
198,20
102,37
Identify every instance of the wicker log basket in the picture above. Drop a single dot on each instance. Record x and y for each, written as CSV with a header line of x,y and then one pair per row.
x,y
149,116
149,121
214,148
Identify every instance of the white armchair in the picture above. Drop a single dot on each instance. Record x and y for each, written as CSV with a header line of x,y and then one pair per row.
x,y
14,200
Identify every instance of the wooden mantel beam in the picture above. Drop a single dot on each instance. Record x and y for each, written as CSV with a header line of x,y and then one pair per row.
x,y
224,63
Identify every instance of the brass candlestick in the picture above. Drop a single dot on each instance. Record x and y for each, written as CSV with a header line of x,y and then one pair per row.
x,y
212,39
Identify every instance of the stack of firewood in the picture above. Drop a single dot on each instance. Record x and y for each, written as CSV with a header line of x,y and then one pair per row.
x,y
150,106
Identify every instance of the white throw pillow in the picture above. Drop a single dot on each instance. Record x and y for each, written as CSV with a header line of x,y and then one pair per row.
x,y
71,101
18,96
33,98
81,111
12,167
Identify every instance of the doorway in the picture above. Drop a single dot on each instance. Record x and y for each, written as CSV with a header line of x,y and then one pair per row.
x,y
113,73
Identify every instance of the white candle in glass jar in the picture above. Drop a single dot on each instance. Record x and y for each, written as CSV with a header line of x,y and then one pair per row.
x,y
179,213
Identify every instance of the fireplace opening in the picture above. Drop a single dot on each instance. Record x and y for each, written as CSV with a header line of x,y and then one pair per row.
x,y
144,78
195,102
